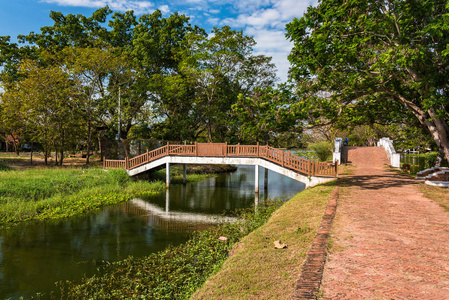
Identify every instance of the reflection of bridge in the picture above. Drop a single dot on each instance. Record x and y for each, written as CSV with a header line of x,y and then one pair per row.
x,y
310,172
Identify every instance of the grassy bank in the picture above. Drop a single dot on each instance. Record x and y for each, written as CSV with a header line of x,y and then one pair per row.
x,y
174,273
53,193
39,194
255,268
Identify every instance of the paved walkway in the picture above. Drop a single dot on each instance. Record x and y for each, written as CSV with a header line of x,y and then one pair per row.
x,y
389,242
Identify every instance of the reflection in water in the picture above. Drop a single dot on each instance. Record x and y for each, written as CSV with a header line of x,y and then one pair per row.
x,y
35,255
165,216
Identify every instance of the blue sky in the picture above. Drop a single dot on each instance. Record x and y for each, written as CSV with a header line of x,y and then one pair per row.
x,y
265,20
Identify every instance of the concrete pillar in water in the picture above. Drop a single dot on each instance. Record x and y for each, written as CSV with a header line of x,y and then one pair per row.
x,y
167,174
256,180
256,200
265,183
184,172
167,200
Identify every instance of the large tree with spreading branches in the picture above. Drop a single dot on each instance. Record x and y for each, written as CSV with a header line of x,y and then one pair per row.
x,y
376,59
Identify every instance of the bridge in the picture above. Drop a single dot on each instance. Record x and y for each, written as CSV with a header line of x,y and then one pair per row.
x,y
310,172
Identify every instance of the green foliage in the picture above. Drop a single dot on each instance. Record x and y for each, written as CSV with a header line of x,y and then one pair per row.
x,y
268,116
365,62
421,161
174,273
322,149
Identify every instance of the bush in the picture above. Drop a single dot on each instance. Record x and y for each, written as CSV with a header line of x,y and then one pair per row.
x,y
322,149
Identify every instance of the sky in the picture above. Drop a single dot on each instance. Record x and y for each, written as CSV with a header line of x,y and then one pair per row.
x,y
264,20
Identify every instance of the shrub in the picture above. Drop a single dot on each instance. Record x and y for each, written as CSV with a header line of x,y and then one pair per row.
x,y
322,149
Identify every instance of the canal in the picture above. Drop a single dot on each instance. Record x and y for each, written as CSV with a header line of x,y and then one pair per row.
x,y
34,255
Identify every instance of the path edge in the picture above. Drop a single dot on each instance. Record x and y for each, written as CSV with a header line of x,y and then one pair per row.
x,y
309,282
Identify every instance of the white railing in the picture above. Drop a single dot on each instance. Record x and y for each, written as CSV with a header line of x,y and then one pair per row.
x,y
395,158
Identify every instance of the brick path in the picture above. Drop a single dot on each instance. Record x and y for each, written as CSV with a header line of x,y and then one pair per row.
x,y
389,242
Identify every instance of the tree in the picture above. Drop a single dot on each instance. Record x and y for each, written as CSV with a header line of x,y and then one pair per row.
x,y
47,98
11,117
220,67
94,71
267,116
377,58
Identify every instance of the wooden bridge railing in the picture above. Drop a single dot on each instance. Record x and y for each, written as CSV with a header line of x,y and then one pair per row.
x,y
277,156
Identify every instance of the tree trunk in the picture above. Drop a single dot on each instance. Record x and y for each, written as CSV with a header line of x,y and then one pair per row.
x,y
100,146
46,154
62,156
125,146
61,160
15,145
440,157
31,154
89,139
442,132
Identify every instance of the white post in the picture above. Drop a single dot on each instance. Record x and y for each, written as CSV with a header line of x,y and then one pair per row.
x,y
167,200
256,201
256,180
167,174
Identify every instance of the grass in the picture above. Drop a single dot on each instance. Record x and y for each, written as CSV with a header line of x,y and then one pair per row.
x,y
438,194
52,193
255,269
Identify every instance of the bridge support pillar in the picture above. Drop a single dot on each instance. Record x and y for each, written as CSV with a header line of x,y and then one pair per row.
x,y
184,173
167,174
167,201
256,180
265,183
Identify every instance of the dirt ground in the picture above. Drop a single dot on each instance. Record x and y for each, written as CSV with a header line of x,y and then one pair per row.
x,y
388,240
23,160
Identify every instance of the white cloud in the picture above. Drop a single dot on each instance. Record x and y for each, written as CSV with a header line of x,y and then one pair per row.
x,y
213,21
265,20
164,9
120,5
274,44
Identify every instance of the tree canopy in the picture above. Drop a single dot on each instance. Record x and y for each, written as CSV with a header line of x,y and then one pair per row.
x,y
375,61
117,75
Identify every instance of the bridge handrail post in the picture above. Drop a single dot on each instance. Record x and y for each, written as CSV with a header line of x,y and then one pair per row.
x,y
238,149
126,163
282,157
226,149
196,149
167,149
257,149
309,167
147,156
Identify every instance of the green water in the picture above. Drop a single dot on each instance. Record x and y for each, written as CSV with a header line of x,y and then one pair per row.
x,y
33,256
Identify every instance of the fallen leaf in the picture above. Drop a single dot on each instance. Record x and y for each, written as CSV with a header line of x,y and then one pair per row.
x,y
279,245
